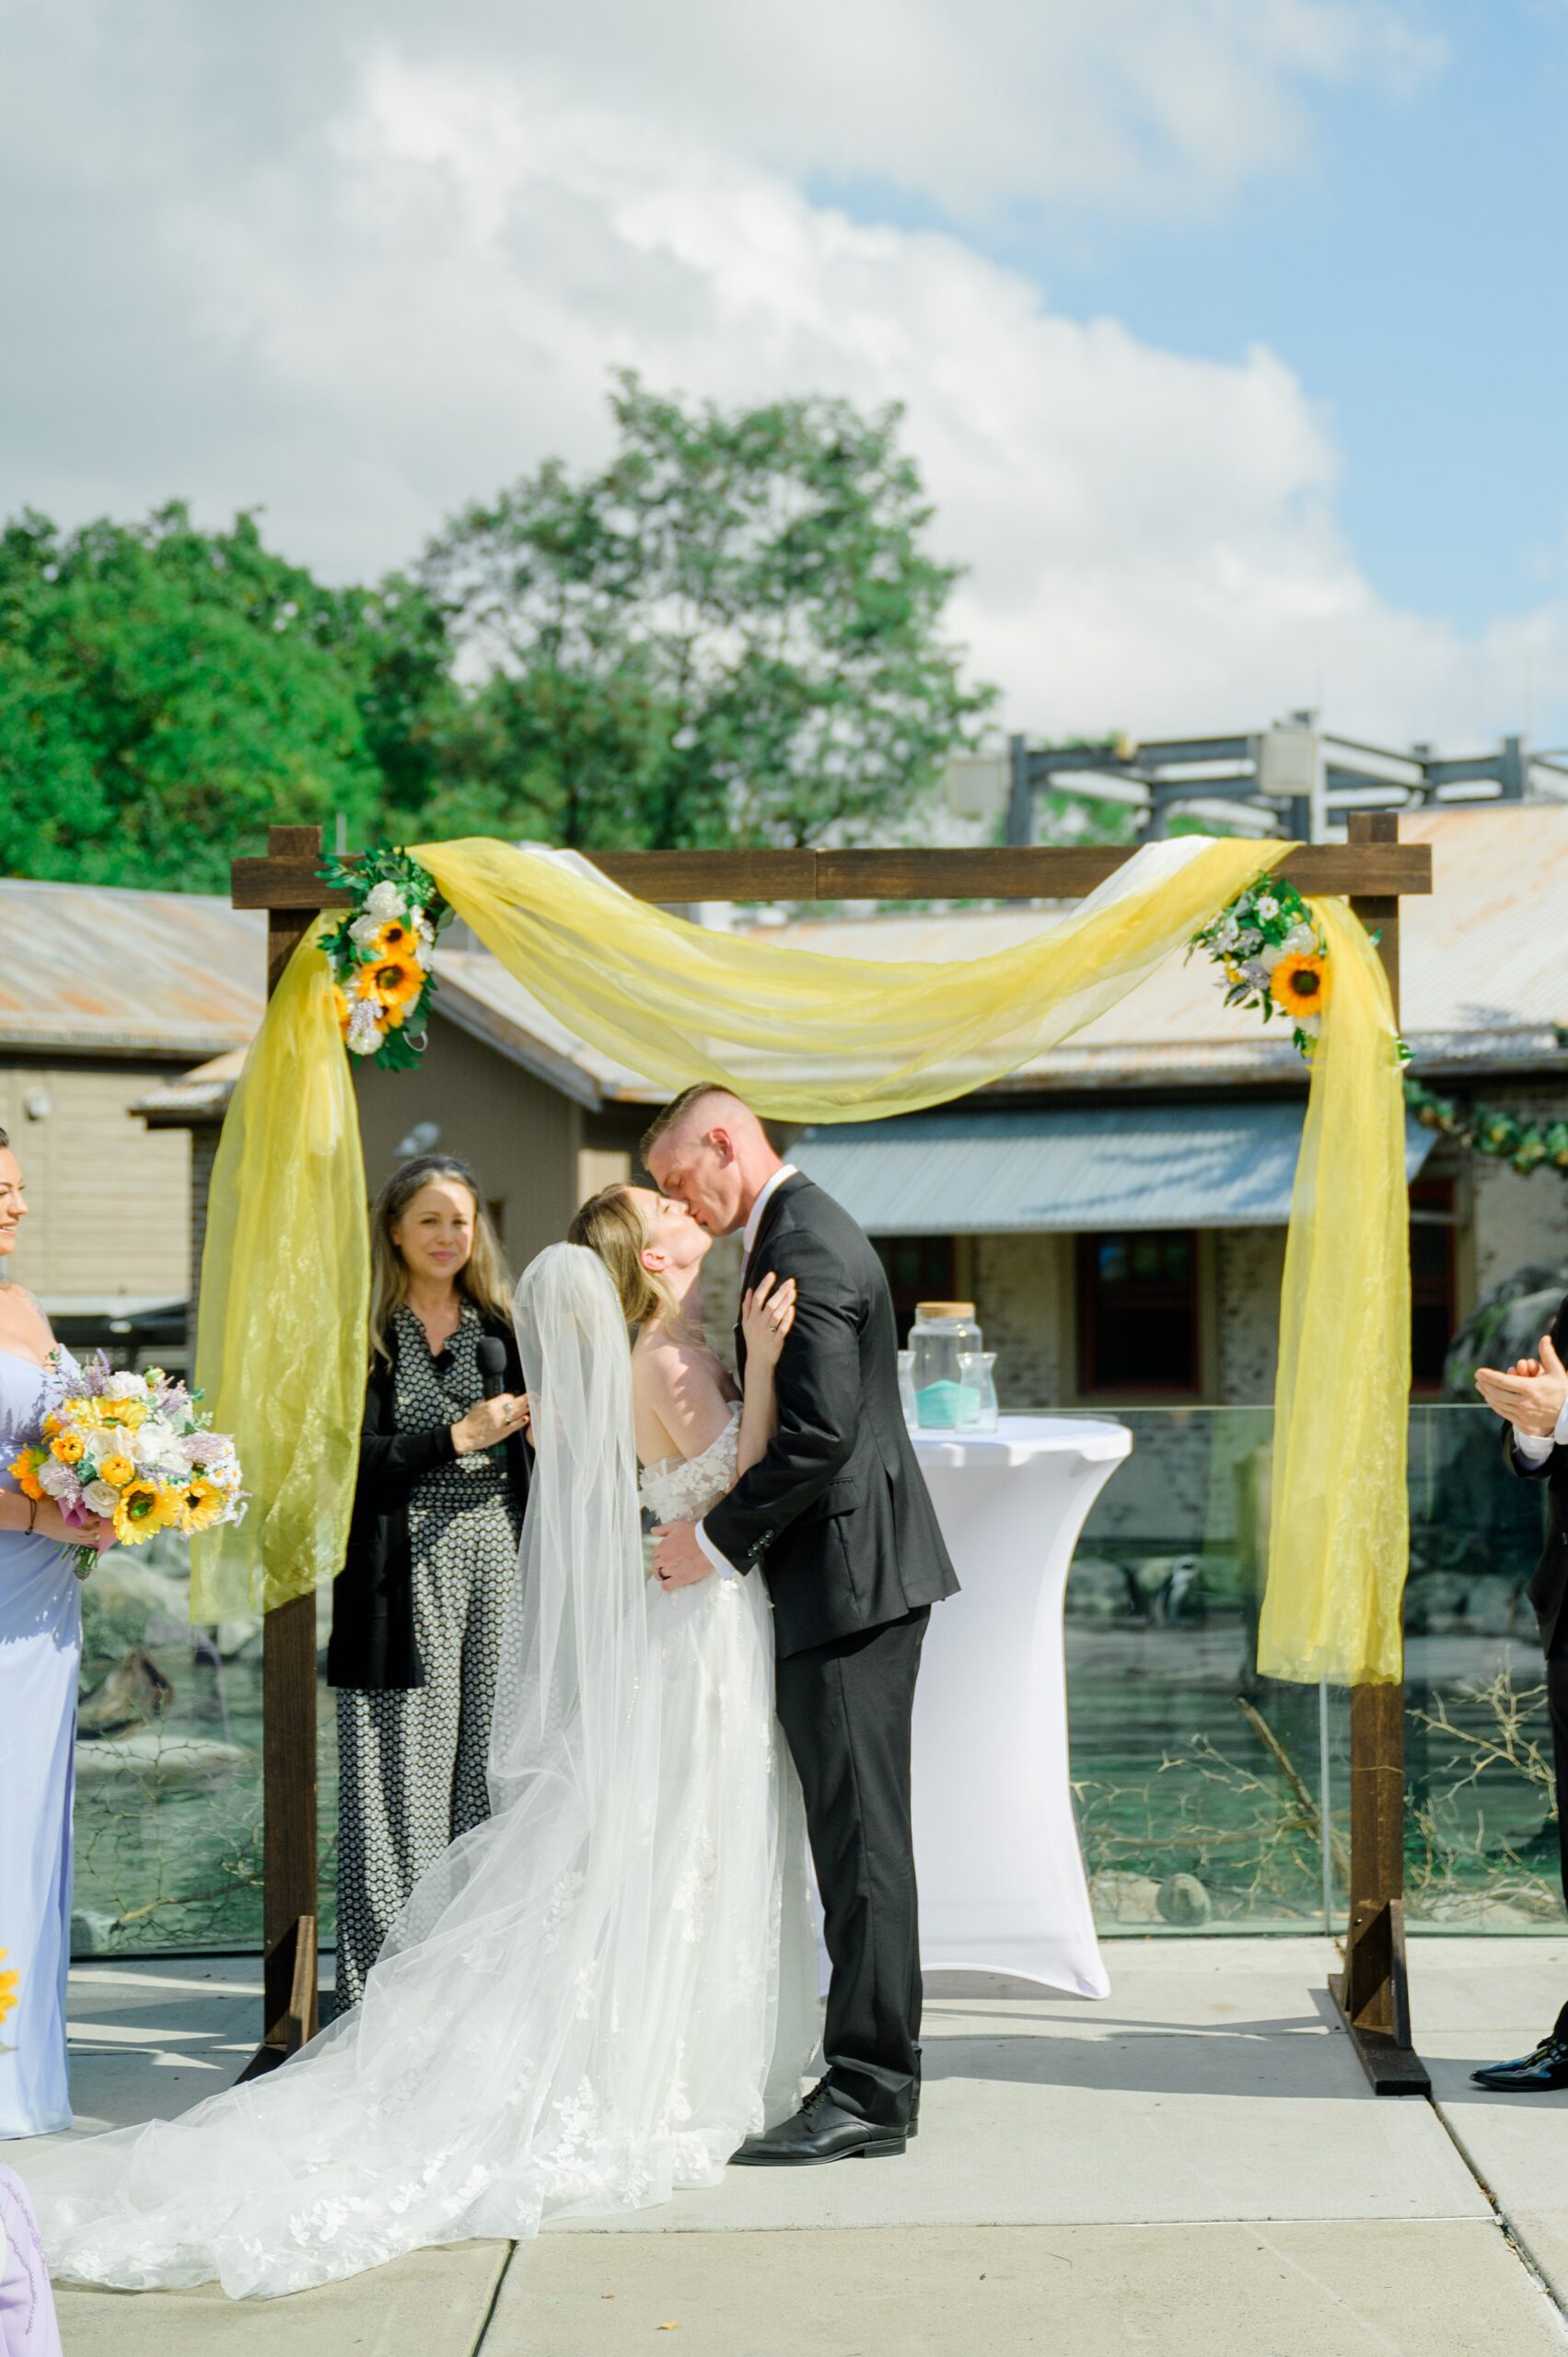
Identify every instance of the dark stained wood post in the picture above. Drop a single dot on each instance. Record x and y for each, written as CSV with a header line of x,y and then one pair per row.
x,y
288,1689
1374,1992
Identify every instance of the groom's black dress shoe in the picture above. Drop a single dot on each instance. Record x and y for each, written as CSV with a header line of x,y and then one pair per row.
x,y
819,2132
1533,2074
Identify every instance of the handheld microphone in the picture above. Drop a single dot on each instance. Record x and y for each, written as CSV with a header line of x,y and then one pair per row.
x,y
491,1353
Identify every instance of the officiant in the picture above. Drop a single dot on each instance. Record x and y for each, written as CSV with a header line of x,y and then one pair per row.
x,y
419,1607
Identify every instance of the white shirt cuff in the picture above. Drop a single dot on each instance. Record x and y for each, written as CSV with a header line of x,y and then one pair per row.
x,y
1535,1447
721,1563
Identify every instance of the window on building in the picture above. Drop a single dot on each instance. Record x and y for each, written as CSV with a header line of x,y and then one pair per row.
x,y
1138,1312
920,1268
1433,1293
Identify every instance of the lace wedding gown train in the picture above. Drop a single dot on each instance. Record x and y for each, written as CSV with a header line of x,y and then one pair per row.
x,y
593,1997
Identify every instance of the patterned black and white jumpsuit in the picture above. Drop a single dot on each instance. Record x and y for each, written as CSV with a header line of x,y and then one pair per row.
x,y
411,1760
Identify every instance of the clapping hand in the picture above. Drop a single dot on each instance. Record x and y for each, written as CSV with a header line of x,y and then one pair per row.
x,y
1531,1395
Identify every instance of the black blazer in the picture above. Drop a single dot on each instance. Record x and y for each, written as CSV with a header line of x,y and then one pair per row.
x,y
372,1644
837,1512
1547,1590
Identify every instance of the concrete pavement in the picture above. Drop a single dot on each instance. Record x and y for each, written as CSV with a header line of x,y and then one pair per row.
x,y
1194,2165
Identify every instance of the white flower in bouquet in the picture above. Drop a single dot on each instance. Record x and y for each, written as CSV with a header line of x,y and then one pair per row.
x,y
384,901
159,1448
365,929
103,1496
125,1384
57,1478
1268,907
1227,934
1250,941
364,1034
1257,970
1299,942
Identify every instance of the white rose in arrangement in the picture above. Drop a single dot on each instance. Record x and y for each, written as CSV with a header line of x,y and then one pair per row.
x,y
56,1479
1300,942
363,931
124,1385
103,1496
383,902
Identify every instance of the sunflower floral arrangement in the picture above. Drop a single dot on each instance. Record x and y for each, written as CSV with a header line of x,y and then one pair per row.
x,y
135,1449
1272,956
380,954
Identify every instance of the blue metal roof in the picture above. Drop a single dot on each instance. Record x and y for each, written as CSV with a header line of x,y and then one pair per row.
x,y
964,1173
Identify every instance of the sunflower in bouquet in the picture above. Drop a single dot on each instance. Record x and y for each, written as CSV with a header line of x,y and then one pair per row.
x,y
135,1450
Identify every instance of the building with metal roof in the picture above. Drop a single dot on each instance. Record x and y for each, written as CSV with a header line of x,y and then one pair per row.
x,y
1029,1195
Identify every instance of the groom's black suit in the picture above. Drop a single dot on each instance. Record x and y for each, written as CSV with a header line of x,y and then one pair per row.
x,y
839,1518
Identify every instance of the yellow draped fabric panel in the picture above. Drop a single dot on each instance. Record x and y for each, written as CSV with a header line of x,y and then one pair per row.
x,y
812,1038
284,1305
1339,1524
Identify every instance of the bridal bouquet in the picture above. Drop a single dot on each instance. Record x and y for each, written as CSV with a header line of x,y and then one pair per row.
x,y
135,1449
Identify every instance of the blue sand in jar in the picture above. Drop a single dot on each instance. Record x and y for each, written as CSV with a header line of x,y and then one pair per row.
x,y
937,1406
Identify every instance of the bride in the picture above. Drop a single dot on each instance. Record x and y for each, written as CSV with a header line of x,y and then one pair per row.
x,y
592,1998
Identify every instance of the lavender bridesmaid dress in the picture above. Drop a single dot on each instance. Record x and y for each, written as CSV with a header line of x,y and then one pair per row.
x,y
40,1647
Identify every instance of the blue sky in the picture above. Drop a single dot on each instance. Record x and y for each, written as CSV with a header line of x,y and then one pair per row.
x,y
1230,332
1410,270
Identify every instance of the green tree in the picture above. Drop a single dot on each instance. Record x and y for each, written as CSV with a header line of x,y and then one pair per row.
x,y
731,632
165,694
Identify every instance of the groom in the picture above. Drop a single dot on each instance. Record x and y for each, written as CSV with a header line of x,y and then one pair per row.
x,y
837,1517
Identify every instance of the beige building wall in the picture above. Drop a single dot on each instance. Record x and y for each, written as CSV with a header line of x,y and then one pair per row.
x,y
1248,1265
109,1199
1515,1218
519,1135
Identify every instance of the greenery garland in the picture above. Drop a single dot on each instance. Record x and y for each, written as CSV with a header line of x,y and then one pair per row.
x,y
1507,1137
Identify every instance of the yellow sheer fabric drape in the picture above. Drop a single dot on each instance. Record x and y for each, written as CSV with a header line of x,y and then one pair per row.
x,y
812,1038
1339,1524
285,1302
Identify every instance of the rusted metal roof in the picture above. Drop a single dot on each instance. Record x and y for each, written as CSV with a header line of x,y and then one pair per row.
x,y
91,970
1483,980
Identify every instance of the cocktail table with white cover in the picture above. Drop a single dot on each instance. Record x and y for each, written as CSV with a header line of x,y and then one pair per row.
x,y
1002,1882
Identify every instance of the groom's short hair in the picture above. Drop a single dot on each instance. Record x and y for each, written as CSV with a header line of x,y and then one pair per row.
x,y
677,1110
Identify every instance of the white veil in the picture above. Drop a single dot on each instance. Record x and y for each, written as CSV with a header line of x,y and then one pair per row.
x,y
579,2008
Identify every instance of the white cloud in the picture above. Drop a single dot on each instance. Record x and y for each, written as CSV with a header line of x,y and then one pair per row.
x,y
366,292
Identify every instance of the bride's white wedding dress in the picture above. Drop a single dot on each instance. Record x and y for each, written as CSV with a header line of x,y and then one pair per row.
x,y
594,1996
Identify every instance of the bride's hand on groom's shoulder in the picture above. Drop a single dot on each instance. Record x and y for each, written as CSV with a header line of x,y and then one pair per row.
x,y
766,1316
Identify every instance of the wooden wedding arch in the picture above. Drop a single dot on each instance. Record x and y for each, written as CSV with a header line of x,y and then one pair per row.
x,y
1373,870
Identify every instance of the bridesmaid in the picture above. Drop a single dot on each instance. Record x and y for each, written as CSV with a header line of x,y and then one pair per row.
x,y
417,1609
40,1645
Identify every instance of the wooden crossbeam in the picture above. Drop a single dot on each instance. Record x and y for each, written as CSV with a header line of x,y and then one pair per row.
x,y
1383,870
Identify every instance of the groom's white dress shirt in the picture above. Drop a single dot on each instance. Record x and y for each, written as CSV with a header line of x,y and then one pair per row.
x,y
722,1563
